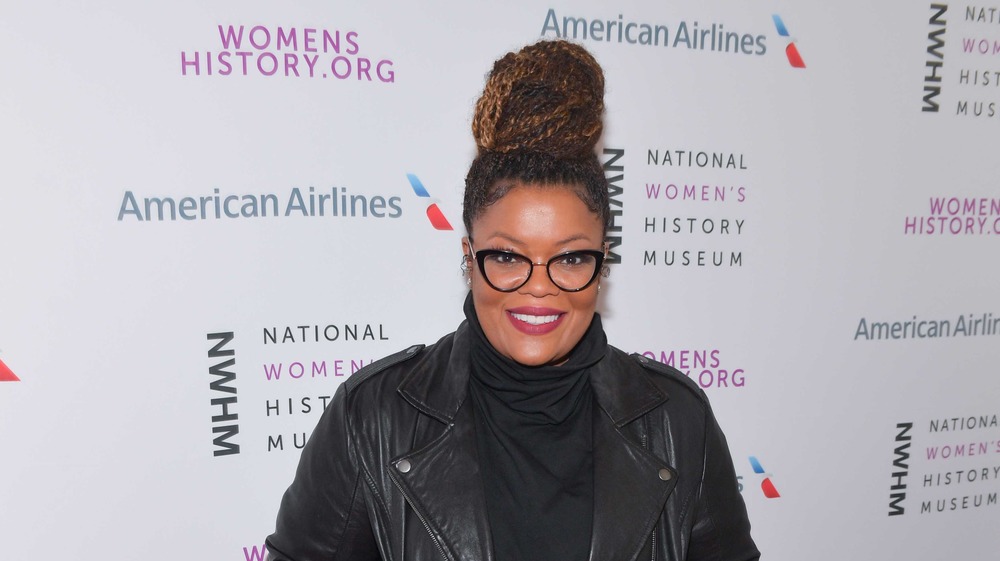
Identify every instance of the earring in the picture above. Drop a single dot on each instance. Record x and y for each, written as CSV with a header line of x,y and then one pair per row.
x,y
466,270
598,288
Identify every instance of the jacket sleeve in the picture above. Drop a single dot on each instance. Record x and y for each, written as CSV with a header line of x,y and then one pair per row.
x,y
721,529
323,513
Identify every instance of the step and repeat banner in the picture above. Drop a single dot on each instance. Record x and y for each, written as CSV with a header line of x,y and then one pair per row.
x,y
211,214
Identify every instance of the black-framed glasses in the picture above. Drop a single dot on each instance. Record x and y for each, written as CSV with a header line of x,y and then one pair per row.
x,y
507,271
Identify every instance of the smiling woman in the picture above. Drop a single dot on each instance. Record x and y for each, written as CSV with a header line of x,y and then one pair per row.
x,y
535,322
523,435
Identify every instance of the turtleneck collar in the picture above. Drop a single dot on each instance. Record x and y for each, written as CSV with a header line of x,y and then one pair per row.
x,y
543,394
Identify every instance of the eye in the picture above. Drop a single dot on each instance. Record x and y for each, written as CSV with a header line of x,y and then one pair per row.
x,y
575,260
505,259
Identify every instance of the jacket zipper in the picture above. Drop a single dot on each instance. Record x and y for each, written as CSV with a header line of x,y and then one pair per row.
x,y
427,527
652,545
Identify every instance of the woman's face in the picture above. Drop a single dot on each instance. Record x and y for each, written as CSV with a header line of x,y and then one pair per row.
x,y
537,324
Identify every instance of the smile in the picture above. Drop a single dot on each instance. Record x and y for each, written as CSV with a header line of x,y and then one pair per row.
x,y
535,320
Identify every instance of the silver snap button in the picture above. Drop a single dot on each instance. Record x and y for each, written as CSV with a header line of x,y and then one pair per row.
x,y
404,466
665,474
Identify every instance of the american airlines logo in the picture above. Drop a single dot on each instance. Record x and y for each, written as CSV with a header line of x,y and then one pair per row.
x,y
791,51
434,213
766,485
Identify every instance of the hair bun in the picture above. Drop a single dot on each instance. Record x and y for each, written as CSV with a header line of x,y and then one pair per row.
x,y
548,97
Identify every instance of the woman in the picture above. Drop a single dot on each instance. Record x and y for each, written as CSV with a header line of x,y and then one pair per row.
x,y
522,435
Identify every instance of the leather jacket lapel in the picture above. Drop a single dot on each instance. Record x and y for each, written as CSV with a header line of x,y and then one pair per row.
x,y
443,484
631,485
630,489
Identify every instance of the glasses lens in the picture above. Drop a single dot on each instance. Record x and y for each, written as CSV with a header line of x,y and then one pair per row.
x,y
506,271
573,271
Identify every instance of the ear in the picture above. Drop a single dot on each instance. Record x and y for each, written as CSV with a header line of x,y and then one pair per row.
x,y
467,257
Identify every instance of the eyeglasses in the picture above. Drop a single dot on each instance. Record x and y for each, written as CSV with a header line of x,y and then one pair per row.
x,y
507,271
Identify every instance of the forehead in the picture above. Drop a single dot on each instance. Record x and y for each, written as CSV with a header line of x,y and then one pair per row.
x,y
538,214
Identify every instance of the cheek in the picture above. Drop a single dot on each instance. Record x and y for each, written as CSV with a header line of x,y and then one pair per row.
x,y
583,304
585,301
488,302
489,309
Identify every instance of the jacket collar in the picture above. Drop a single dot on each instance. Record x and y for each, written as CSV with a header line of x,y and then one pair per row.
x,y
630,484
439,382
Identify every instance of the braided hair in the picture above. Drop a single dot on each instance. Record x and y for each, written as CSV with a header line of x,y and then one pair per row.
x,y
538,122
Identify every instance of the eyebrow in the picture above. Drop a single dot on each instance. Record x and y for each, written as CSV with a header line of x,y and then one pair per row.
x,y
517,241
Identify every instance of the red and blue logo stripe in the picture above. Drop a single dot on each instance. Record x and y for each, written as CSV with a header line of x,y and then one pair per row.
x,y
791,51
434,213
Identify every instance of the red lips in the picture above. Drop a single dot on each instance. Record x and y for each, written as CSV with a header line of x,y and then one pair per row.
x,y
533,320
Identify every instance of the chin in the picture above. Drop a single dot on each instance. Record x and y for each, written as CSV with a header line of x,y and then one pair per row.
x,y
525,355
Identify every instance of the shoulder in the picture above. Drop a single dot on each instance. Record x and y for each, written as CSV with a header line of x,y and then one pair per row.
x,y
393,368
672,381
381,365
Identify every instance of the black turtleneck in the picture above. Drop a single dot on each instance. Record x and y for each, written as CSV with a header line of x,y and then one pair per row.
x,y
534,428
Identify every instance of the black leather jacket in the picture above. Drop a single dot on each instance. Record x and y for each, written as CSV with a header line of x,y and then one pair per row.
x,y
391,471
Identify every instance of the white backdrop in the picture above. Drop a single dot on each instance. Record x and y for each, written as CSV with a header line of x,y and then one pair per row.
x,y
107,321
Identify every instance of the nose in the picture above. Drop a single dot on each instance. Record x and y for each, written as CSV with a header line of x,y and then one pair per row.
x,y
539,284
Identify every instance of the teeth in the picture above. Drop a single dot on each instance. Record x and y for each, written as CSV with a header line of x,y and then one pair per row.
x,y
535,320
